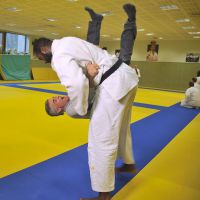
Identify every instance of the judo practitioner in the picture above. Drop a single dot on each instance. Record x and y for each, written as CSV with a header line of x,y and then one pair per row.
x,y
196,79
115,88
192,96
93,35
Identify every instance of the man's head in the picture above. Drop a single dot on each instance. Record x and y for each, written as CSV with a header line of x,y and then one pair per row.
x,y
117,52
191,84
56,105
194,79
42,49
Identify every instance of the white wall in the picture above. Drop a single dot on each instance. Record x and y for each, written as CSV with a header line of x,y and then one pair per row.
x,y
169,50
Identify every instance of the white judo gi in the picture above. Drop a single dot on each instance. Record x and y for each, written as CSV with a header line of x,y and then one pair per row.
x,y
192,96
109,132
69,109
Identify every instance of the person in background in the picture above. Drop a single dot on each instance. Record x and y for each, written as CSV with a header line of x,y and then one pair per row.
x,y
192,95
152,54
117,52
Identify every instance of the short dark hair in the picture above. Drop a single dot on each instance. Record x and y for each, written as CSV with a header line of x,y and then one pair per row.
x,y
51,112
194,79
117,51
191,84
41,42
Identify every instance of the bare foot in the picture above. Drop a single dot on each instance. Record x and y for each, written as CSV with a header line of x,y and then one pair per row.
x,y
129,168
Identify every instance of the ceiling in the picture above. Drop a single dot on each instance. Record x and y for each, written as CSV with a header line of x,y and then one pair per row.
x,y
30,17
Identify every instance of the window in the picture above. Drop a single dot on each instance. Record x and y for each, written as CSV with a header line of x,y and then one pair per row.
x,y
1,42
16,44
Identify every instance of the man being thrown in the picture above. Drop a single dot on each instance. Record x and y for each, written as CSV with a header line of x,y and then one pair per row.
x,y
109,132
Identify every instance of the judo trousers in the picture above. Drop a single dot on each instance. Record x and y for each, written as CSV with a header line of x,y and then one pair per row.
x,y
109,137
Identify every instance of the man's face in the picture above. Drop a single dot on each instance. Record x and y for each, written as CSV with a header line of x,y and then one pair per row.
x,y
45,57
45,54
58,103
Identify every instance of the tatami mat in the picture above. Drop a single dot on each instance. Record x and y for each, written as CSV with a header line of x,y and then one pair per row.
x,y
28,137
173,174
157,97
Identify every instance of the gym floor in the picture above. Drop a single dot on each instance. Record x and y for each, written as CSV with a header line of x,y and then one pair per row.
x,y
45,157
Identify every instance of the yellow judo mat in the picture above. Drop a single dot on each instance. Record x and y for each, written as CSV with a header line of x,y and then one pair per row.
x,y
29,136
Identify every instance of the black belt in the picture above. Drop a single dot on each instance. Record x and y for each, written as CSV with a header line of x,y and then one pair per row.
x,y
111,70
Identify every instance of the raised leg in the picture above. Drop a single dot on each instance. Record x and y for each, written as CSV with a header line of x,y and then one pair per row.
x,y
129,34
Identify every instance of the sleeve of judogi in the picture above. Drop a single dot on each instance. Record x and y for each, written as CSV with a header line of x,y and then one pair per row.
x,y
72,113
72,77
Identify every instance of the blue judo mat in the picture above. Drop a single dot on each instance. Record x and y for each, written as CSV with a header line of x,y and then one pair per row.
x,y
66,177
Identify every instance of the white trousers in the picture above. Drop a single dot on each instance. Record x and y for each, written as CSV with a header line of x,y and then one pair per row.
x,y
184,104
109,138
190,104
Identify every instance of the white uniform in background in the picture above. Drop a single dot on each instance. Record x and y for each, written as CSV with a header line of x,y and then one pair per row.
x,y
198,80
192,96
109,131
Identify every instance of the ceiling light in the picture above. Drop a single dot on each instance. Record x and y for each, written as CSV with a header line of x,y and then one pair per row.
x,y
149,34
140,29
13,9
182,20
193,33
77,26
55,33
72,0
104,35
117,39
51,19
106,13
169,7
49,26
188,27
39,30
160,38
11,24
196,36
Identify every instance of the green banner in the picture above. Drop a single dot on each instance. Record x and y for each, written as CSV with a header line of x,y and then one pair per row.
x,y
16,67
